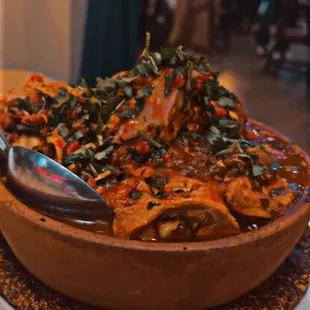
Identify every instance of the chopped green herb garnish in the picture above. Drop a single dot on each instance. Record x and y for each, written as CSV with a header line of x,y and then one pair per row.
x,y
189,77
63,130
127,113
257,170
84,85
227,102
87,146
100,139
111,168
146,50
167,86
136,194
139,105
104,154
62,91
106,86
60,100
93,170
148,138
73,102
145,92
88,154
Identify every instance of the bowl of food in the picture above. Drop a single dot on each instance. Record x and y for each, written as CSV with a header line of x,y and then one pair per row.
x,y
206,202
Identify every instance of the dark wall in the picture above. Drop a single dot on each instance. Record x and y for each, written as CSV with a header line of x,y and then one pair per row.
x,y
111,38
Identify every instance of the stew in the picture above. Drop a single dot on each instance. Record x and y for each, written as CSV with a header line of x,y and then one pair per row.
x,y
168,147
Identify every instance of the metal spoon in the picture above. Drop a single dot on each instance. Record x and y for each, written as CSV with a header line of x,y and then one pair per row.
x,y
47,186
4,147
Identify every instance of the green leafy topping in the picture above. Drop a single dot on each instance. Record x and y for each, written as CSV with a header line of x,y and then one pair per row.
x,y
257,170
24,104
63,130
172,55
148,138
109,107
167,86
189,75
139,105
62,91
140,98
60,100
105,153
73,102
135,194
227,102
146,69
93,170
145,92
128,90
227,123
125,86
106,86
76,136
84,85
232,148
129,79
146,50
110,168
173,75
88,153
127,113
73,158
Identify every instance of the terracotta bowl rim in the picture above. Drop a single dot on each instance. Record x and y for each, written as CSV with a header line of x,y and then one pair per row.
x,y
64,230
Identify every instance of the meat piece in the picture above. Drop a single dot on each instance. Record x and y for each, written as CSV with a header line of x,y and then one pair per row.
x,y
148,209
188,159
242,198
26,141
39,119
158,110
280,192
176,181
181,184
166,229
164,107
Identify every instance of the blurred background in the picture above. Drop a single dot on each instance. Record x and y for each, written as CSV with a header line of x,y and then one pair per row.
x,y
261,47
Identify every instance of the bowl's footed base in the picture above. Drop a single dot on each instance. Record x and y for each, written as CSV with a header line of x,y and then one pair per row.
x,y
283,290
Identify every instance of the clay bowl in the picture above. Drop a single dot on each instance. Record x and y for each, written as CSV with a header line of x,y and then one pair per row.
x,y
124,274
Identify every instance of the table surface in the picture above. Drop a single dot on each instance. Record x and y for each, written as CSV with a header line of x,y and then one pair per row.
x,y
303,305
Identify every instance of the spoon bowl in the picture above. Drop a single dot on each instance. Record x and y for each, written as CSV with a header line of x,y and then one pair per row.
x,y
47,186
4,145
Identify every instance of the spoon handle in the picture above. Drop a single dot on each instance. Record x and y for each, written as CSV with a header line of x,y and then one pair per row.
x,y
4,147
4,144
